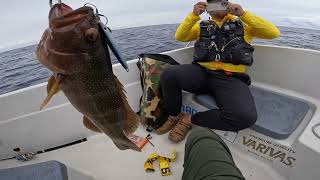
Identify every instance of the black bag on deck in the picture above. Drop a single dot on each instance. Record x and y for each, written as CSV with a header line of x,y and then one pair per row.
x,y
151,107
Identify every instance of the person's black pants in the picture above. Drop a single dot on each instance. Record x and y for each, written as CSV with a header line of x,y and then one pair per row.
x,y
237,109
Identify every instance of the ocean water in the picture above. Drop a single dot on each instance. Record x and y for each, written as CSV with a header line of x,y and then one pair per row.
x,y
19,68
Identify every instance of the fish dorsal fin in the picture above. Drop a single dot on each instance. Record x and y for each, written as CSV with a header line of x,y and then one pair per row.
x,y
52,89
132,121
89,125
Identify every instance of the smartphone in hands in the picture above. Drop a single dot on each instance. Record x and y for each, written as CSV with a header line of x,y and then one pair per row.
x,y
216,5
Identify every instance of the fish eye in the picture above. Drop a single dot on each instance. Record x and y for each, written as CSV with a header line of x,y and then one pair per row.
x,y
92,34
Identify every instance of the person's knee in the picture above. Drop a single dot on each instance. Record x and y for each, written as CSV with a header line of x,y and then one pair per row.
x,y
167,75
251,118
246,119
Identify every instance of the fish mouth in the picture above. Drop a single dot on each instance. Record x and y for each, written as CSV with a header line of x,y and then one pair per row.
x,y
63,15
59,10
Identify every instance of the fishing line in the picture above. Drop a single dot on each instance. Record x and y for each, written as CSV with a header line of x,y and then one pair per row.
x,y
50,3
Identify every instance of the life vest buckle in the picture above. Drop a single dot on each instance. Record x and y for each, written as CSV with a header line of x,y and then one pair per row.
x,y
209,28
218,57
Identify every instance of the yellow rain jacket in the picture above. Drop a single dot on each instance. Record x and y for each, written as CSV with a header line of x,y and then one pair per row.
x,y
254,26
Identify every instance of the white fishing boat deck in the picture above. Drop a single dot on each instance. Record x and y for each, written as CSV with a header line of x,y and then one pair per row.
x,y
288,72
99,159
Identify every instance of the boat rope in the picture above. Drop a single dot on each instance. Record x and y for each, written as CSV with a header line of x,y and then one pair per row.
x,y
314,130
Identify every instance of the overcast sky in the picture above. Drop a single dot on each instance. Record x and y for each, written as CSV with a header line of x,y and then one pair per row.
x,y
23,22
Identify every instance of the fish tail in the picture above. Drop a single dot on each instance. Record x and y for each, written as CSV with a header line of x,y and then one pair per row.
x,y
125,144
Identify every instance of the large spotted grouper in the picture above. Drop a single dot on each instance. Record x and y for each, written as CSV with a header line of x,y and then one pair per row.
x,y
74,48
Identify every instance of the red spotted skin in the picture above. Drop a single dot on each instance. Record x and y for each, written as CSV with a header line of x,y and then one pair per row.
x,y
89,83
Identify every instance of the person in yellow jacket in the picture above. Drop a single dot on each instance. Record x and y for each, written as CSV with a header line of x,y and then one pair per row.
x,y
222,52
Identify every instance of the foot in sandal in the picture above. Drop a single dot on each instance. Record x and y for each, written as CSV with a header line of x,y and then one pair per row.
x,y
180,131
169,124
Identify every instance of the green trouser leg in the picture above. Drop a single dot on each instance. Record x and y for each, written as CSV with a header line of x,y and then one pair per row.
x,y
207,157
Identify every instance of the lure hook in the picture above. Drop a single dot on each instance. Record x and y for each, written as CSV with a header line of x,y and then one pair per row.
x,y
105,17
92,5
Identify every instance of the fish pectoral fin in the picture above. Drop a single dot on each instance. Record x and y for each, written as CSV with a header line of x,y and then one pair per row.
x,y
132,120
52,89
88,124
